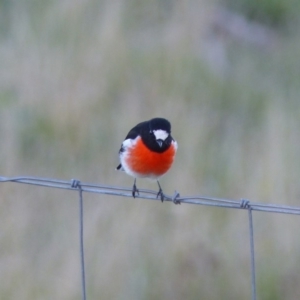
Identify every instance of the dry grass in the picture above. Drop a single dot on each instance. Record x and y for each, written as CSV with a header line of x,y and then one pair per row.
x,y
74,78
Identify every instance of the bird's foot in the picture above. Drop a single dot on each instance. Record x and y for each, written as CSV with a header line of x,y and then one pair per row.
x,y
175,196
161,194
135,190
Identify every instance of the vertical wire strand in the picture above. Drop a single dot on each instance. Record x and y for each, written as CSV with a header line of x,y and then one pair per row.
x,y
252,253
81,243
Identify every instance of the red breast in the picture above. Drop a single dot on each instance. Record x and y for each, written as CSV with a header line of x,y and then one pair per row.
x,y
148,163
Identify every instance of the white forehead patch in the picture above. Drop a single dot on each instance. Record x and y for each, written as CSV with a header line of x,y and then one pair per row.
x,y
160,134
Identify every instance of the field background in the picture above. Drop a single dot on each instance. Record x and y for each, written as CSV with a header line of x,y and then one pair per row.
x,y
75,76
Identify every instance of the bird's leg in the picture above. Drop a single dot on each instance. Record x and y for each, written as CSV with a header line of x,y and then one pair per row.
x,y
160,193
134,189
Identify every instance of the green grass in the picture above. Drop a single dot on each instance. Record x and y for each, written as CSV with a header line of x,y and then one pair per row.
x,y
74,78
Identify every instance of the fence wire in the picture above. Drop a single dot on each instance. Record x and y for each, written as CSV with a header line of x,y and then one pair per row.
x,y
81,187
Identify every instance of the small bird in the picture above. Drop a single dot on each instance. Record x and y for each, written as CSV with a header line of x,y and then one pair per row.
x,y
148,151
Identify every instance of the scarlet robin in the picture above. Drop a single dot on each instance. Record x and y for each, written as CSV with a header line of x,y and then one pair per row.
x,y
148,151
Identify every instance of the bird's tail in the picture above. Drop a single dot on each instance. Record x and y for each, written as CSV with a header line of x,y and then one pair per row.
x,y
119,168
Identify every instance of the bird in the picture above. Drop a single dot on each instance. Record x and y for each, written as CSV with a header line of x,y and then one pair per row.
x,y
148,151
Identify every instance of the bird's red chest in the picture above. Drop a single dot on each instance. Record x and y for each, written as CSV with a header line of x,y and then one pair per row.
x,y
145,162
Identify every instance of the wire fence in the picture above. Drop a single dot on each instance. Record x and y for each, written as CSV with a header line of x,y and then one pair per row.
x,y
81,187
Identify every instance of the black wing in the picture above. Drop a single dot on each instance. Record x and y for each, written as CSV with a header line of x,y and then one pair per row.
x,y
135,131
132,134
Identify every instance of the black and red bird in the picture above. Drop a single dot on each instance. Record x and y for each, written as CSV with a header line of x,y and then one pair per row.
x,y
148,151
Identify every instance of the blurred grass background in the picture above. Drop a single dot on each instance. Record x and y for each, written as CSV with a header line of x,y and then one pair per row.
x,y
75,76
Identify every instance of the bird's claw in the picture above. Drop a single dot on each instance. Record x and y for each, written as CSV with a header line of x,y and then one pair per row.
x,y
161,194
135,191
175,196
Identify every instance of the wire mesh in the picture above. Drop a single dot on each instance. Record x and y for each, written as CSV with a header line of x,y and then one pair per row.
x,y
81,187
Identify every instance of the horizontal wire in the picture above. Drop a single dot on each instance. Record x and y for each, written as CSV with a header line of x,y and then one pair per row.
x,y
152,195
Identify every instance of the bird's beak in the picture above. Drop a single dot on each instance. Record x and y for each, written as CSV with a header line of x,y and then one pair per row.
x,y
160,143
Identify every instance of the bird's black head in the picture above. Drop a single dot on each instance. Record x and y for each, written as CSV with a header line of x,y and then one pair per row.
x,y
156,134
160,124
